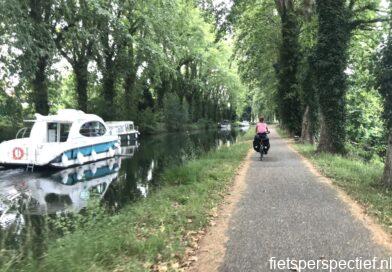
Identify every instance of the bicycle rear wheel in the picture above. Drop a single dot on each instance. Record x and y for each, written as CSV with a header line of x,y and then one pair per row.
x,y
261,152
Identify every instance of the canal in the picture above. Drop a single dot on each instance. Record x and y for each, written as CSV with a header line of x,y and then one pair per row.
x,y
31,202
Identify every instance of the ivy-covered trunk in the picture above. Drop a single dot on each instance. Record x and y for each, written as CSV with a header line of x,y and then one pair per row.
x,y
288,99
130,83
384,80
306,132
40,17
387,178
310,100
331,55
81,78
129,94
109,93
40,87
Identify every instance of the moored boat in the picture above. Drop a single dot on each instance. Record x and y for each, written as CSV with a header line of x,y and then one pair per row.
x,y
244,124
124,129
224,125
71,137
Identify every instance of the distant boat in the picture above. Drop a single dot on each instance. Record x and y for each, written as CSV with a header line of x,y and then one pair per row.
x,y
224,125
124,129
244,124
71,137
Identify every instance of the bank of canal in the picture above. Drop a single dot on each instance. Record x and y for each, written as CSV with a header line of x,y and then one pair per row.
x,y
36,209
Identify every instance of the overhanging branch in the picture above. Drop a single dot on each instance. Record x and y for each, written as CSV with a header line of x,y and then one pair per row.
x,y
365,23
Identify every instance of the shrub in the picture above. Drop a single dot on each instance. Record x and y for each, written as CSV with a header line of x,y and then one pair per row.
x,y
175,112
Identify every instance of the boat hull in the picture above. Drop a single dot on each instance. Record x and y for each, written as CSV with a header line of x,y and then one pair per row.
x,y
61,155
102,151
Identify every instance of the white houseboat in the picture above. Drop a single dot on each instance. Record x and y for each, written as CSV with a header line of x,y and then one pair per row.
x,y
71,137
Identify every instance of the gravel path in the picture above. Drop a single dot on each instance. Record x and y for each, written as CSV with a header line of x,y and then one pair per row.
x,y
287,213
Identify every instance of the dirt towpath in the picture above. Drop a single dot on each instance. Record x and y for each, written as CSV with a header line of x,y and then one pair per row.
x,y
281,208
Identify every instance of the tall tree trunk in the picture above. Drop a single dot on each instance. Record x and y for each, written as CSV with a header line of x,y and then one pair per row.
x,y
40,88
309,98
129,91
331,54
387,177
109,111
39,14
81,78
130,83
326,141
288,99
306,132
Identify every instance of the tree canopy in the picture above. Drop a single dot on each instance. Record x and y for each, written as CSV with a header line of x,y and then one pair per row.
x,y
118,58
321,68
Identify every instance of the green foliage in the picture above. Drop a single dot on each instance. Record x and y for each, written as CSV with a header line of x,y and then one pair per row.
x,y
148,121
364,123
28,33
65,224
257,32
124,57
10,114
205,123
385,80
364,126
175,111
313,56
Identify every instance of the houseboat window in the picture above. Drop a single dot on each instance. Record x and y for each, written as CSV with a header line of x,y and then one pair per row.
x,y
58,132
64,132
52,132
93,129
25,131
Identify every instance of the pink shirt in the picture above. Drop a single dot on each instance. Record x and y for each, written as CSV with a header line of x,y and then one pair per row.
x,y
261,127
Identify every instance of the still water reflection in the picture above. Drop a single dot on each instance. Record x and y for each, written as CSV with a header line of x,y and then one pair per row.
x,y
28,199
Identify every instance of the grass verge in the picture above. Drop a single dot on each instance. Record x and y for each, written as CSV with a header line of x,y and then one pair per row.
x,y
154,233
359,179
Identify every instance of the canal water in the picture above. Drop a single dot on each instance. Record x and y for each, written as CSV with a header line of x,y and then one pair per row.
x,y
29,200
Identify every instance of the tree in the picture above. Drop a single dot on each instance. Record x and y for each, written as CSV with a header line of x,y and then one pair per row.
x,y
75,38
331,53
337,20
176,114
29,31
385,87
289,104
256,50
126,56
310,101
307,78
